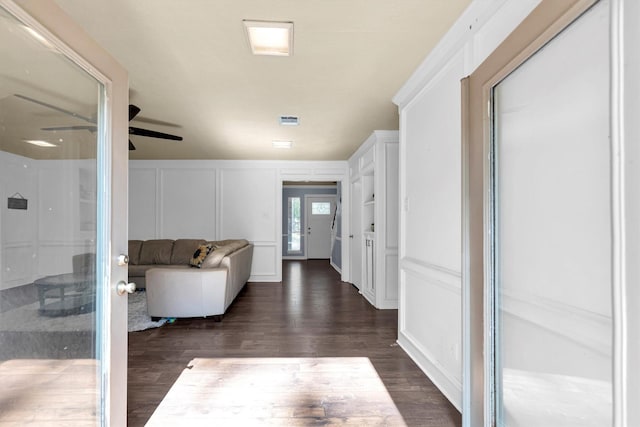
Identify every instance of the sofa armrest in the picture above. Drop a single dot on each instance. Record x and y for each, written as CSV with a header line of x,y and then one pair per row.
x,y
239,265
186,293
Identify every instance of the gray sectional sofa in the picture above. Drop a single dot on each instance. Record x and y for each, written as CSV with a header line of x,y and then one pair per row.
x,y
177,288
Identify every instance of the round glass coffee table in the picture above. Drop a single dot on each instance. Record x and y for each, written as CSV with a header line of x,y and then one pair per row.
x,y
66,294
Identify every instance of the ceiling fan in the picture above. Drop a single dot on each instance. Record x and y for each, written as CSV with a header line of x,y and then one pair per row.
x,y
133,112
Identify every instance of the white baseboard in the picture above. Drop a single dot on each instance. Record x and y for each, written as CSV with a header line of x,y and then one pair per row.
x,y
335,267
449,386
294,257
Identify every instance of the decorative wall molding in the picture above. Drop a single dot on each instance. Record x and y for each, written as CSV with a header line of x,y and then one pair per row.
x,y
251,207
471,27
478,31
583,327
65,244
264,266
445,278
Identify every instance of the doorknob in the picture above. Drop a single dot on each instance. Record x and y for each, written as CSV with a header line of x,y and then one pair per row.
x,y
123,259
309,230
125,288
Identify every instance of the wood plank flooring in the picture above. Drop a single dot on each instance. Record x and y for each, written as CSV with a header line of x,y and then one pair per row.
x,y
45,392
310,315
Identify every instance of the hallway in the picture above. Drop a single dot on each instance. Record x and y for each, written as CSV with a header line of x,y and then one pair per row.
x,y
310,315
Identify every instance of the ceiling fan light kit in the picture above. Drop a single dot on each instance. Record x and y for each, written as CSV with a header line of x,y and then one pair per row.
x,y
133,112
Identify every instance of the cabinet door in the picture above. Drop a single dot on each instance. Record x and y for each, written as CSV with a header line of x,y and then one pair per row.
x,y
369,267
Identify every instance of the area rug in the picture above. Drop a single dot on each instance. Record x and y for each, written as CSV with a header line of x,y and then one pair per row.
x,y
278,392
27,318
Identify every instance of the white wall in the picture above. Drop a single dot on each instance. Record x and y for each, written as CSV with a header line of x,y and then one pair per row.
x,y
430,306
220,199
41,240
18,228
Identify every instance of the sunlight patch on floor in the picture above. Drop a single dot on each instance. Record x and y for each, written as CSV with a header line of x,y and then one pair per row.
x,y
48,392
278,391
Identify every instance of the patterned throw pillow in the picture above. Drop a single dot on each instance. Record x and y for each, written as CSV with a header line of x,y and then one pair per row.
x,y
200,254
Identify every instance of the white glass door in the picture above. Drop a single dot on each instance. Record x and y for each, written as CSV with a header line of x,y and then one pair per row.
x,y
550,221
62,323
319,212
552,277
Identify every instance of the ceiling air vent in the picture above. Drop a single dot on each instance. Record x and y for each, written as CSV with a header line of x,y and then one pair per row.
x,y
289,121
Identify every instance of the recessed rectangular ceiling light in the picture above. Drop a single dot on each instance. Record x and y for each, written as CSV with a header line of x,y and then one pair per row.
x,y
39,143
282,144
270,38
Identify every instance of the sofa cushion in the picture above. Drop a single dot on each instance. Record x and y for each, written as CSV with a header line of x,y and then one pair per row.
x,y
215,256
138,270
156,252
134,251
235,243
200,254
238,244
183,250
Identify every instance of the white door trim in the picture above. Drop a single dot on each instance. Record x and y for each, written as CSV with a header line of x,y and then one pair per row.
x,y
73,42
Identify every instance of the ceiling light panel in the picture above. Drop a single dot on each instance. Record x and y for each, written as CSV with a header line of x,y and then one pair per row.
x,y
39,143
270,38
282,144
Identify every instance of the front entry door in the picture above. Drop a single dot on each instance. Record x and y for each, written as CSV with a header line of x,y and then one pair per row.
x,y
319,213
63,185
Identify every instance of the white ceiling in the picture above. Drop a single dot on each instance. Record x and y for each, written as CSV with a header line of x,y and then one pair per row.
x,y
192,74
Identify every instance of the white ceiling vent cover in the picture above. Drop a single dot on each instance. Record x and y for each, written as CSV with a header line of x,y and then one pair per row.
x,y
289,121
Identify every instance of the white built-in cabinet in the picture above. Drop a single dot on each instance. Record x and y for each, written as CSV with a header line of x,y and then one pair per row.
x,y
374,219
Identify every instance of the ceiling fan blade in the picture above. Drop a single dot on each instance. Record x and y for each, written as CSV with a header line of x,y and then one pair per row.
x,y
131,146
152,134
89,128
133,111
53,107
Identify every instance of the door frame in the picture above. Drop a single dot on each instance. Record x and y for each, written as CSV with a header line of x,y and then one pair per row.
x,y
72,41
542,25
307,198
355,236
338,177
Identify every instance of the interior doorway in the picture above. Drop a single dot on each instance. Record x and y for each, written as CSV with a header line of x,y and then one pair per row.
x,y
296,197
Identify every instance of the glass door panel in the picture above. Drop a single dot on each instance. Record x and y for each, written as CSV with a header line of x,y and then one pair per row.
x,y
51,287
552,233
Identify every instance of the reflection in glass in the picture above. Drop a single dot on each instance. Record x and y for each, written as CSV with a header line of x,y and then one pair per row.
x,y
553,344
49,360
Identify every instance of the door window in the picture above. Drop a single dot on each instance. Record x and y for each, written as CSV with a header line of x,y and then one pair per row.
x,y
294,226
321,208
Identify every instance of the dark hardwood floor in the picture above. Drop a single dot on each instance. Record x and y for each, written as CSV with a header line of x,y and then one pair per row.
x,y
310,314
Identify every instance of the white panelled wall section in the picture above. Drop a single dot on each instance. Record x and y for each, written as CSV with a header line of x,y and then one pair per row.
x,y
221,199
42,239
430,294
